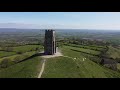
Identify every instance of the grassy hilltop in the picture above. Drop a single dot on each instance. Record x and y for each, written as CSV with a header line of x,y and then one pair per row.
x,y
61,67
68,68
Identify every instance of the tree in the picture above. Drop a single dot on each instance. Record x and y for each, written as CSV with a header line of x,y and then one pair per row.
x,y
19,52
4,63
3,47
102,61
9,49
37,48
118,60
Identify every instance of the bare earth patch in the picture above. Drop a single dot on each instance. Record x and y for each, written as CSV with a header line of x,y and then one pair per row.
x,y
57,54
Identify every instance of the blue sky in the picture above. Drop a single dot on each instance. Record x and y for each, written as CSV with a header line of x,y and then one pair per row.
x,y
73,20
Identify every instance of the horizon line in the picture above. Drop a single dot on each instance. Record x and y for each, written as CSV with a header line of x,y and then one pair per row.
x,y
60,28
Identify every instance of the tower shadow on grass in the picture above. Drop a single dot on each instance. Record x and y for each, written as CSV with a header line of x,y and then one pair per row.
x,y
35,55
28,58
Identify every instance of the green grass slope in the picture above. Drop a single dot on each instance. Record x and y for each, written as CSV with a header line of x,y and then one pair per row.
x,y
22,56
26,48
4,54
88,47
89,51
26,69
113,52
63,67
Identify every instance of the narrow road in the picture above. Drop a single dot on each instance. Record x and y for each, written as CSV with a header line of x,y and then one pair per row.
x,y
42,69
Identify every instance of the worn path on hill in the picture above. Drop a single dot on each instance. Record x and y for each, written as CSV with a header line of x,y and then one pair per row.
x,y
42,68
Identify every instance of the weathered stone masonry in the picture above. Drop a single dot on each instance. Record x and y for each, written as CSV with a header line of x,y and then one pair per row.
x,y
49,43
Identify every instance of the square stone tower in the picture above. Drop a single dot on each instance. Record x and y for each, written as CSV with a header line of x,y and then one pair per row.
x,y
49,43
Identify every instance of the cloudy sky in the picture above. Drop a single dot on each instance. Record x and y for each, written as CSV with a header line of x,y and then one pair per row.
x,y
61,20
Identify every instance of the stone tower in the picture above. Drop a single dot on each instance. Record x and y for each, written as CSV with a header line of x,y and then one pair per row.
x,y
49,43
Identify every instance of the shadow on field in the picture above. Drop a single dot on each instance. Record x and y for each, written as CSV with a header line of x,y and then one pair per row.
x,y
35,55
7,64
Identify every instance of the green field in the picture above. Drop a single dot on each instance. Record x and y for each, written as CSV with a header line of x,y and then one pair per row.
x,y
113,52
88,47
63,67
4,54
59,67
77,51
26,48
21,56
11,58
89,51
26,69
